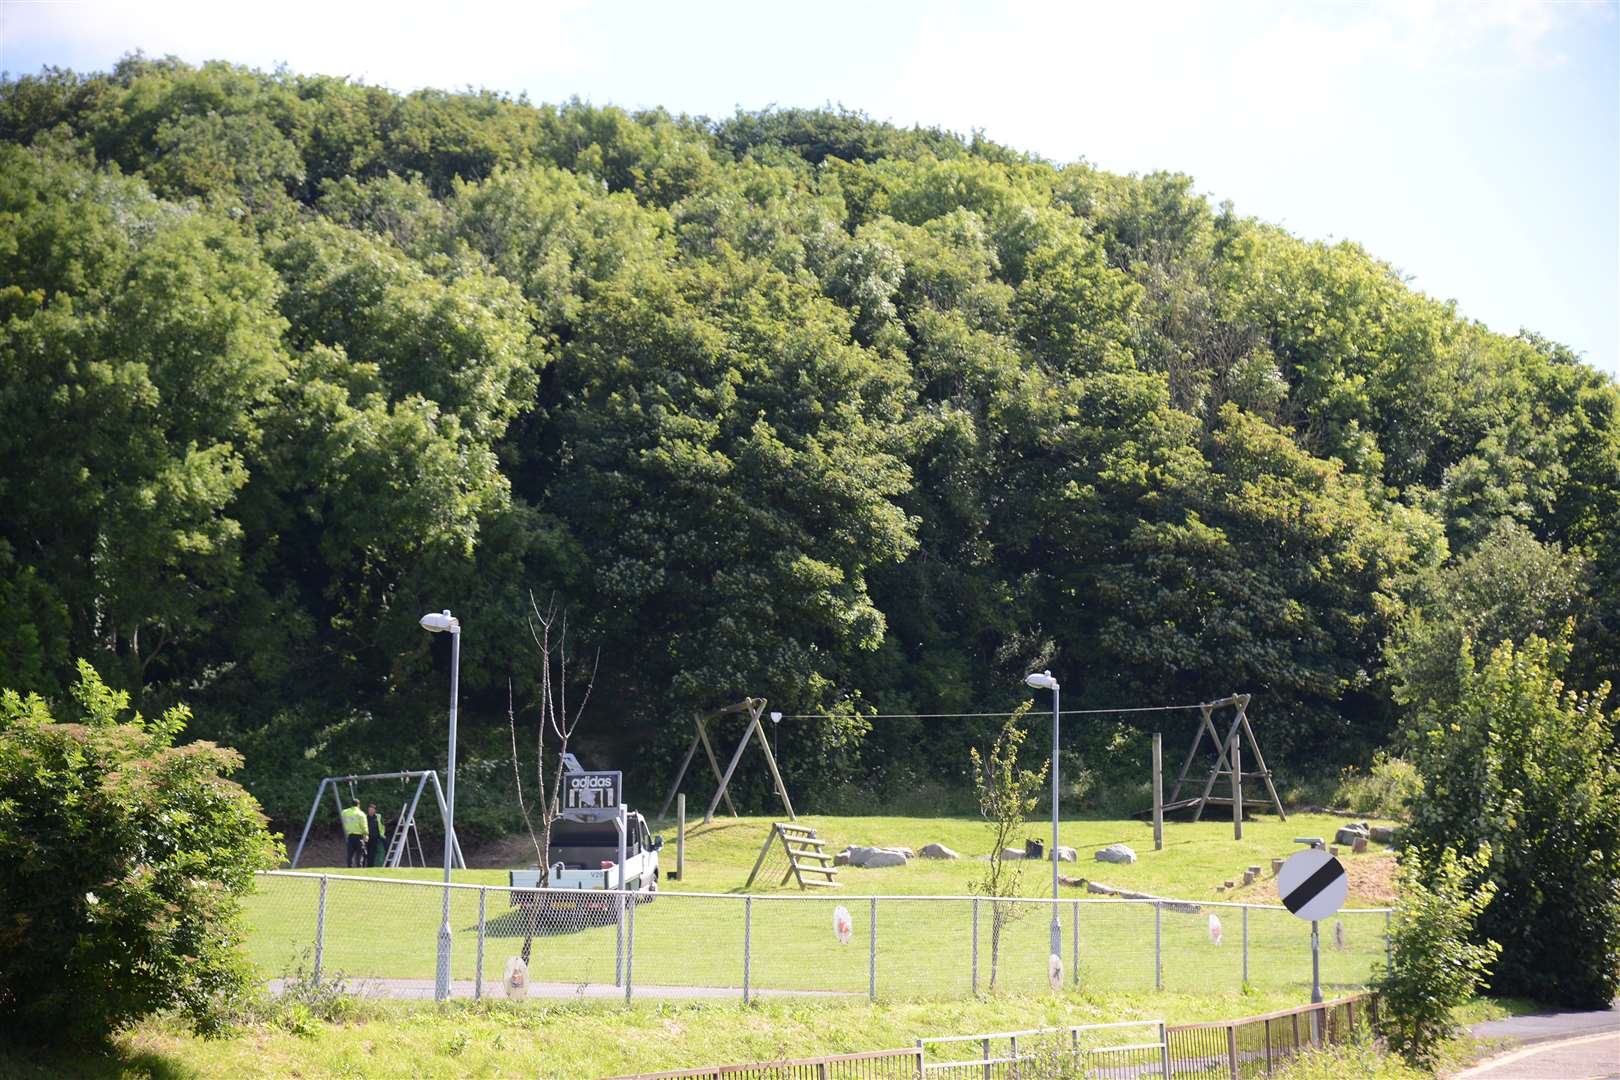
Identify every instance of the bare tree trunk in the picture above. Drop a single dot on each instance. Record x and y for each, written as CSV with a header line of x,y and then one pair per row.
x,y
553,702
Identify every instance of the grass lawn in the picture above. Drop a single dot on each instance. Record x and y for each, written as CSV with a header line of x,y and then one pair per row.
x,y
924,947
581,1039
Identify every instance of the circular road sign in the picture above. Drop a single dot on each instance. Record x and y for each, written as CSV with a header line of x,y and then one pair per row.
x,y
1312,884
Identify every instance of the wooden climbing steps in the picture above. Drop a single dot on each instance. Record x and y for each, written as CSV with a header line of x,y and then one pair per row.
x,y
807,858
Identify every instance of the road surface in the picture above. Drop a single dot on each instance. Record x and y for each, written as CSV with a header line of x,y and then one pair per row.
x,y
1559,1046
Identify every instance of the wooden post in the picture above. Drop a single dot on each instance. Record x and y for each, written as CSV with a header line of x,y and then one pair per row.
x,y
680,774
714,764
680,838
1237,789
1158,791
1223,756
1259,759
731,767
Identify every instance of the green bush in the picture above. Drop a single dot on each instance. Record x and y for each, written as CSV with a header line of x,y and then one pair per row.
x,y
1434,964
122,858
1387,789
1521,765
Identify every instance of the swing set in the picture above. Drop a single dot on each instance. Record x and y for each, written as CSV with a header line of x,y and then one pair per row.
x,y
404,833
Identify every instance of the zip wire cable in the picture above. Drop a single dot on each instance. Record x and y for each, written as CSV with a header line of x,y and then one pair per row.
x,y
991,715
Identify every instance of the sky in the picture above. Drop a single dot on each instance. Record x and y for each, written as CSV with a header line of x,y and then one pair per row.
x,y
1472,144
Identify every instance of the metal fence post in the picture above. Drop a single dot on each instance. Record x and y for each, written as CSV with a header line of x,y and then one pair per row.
x,y
1164,1050
1388,955
630,954
320,930
478,973
1245,944
1231,1050
618,940
1076,949
748,927
871,954
975,944
1158,946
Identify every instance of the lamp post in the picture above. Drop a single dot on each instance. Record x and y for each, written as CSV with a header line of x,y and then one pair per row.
x,y
437,623
1043,681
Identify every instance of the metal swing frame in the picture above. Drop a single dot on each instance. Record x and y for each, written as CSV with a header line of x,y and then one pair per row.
x,y
404,826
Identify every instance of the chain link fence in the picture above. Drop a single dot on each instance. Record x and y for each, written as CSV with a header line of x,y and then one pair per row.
x,y
383,934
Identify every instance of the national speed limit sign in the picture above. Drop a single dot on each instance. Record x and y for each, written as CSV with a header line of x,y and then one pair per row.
x,y
1312,884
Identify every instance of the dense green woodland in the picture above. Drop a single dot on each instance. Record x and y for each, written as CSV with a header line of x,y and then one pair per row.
x,y
794,404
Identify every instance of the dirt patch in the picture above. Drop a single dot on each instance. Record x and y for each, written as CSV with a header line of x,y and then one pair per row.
x,y
1372,877
1372,882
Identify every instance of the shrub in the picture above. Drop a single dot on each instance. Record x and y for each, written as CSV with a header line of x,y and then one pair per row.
x,y
1388,789
1434,964
1518,763
122,858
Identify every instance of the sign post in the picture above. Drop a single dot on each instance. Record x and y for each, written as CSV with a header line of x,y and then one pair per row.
x,y
1312,886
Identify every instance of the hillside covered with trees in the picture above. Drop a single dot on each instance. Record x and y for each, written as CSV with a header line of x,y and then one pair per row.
x,y
792,403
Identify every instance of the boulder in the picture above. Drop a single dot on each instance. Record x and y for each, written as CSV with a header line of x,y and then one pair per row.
x,y
1012,853
874,857
1384,834
1067,854
937,851
842,858
1116,853
1347,834
1360,846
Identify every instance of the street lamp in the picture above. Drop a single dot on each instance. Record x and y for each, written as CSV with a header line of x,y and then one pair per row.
x,y
436,622
1043,681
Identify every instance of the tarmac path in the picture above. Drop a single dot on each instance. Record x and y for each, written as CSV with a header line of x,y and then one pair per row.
x,y
1558,1046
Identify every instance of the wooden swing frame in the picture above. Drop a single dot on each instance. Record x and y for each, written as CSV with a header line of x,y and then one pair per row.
x,y
755,708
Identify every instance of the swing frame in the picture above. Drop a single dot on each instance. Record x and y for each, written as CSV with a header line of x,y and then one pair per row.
x,y
755,708
402,828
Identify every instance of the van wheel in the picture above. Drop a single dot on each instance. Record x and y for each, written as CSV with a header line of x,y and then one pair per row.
x,y
650,893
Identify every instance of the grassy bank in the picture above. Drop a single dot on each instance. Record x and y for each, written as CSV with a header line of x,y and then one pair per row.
x,y
924,947
581,1039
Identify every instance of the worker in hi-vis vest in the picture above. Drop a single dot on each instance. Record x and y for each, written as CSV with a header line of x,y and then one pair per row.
x,y
354,830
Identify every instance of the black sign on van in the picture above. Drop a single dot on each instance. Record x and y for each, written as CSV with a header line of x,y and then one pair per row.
x,y
592,790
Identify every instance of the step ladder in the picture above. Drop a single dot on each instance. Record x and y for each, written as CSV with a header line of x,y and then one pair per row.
x,y
807,858
404,828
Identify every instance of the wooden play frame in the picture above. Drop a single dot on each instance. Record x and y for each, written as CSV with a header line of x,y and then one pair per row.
x,y
755,708
1228,763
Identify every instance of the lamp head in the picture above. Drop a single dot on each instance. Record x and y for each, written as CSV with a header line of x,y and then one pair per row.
x,y
776,718
1041,680
437,622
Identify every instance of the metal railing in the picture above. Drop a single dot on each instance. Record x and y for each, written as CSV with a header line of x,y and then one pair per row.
x,y
1216,1050
384,931
871,1065
1258,1045
1092,1050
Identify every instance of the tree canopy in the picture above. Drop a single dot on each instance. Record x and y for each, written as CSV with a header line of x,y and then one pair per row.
x,y
792,403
